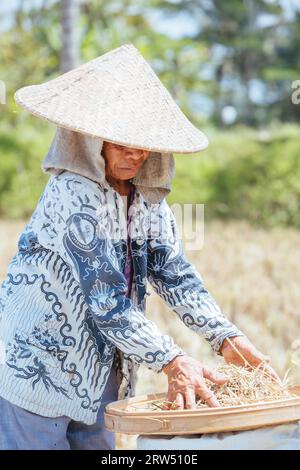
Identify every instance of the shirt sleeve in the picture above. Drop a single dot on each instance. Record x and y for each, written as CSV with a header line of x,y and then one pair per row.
x,y
67,222
178,283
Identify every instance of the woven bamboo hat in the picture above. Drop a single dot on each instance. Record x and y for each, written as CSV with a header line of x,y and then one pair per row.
x,y
119,98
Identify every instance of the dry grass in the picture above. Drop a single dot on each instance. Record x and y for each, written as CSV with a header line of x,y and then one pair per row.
x,y
244,386
9,234
253,274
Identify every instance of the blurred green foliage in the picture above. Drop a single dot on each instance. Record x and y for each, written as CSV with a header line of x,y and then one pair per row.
x,y
244,174
21,177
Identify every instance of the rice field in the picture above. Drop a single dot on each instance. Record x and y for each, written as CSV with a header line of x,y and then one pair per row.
x,y
254,275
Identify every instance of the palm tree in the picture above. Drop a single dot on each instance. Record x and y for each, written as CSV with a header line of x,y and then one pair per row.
x,y
70,45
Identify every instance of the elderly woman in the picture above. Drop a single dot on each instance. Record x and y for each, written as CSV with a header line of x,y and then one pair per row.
x,y
72,304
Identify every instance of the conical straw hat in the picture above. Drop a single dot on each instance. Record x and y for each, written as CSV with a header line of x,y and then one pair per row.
x,y
117,97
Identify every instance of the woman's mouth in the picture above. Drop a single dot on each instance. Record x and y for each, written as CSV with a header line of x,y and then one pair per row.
x,y
129,168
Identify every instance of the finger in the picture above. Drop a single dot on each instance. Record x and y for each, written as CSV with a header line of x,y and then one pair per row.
x,y
214,376
243,352
166,404
269,371
179,401
190,398
169,401
253,355
207,396
257,357
170,405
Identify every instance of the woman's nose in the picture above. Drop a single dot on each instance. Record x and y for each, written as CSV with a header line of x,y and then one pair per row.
x,y
134,154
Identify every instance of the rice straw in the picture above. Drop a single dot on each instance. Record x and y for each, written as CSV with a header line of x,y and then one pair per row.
x,y
243,387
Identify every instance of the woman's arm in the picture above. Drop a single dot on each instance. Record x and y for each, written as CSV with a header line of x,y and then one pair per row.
x,y
178,283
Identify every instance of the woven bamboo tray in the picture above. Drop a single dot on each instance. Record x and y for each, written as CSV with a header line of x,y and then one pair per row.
x,y
134,416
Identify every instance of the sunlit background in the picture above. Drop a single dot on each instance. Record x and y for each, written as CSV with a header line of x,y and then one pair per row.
x,y
231,67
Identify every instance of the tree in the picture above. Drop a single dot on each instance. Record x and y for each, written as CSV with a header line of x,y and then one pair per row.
x,y
253,47
70,35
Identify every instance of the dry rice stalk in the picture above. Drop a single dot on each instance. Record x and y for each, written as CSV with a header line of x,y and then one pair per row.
x,y
246,386
243,387
248,365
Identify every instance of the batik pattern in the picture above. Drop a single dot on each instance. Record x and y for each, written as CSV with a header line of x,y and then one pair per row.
x,y
63,306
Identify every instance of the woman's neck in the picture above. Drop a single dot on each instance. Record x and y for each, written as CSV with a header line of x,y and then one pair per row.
x,y
121,186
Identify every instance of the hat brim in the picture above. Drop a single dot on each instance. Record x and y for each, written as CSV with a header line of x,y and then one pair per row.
x,y
118,98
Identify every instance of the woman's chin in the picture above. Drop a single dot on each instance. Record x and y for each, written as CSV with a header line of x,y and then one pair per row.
x,y
127,174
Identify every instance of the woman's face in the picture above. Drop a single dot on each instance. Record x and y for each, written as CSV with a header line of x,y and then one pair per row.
x,y
122,163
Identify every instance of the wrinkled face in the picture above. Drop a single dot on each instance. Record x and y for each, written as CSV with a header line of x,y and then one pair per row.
x,y
122,163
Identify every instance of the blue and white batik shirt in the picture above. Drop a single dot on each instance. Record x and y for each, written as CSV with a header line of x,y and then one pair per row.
x,y
63,305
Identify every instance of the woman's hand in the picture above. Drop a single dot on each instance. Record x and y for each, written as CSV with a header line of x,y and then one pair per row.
x,y
240,351
186,380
